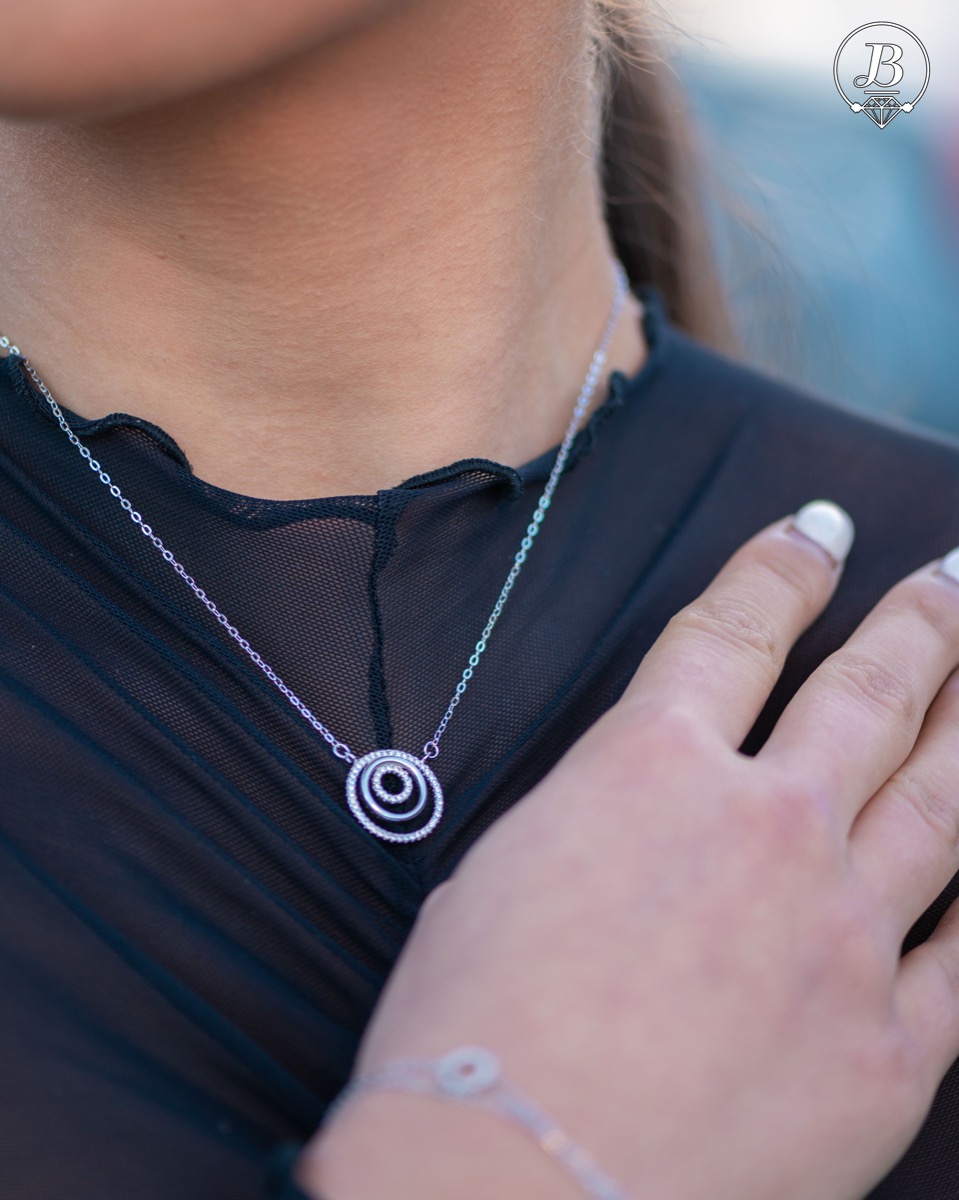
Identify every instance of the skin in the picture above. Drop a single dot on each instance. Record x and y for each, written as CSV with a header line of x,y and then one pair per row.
x,y
326,246
763,1039
395,207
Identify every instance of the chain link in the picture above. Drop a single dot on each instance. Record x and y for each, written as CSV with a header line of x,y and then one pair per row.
x,y
431,749
342,751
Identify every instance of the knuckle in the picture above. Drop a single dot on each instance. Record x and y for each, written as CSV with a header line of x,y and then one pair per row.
x,y
851,958
735,622
845,956
932,799
857,949
794,820
640,738
896,1079
880,686
674,731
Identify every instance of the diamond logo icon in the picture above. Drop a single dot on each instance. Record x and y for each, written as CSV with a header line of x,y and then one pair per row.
x,y
882,109
881,69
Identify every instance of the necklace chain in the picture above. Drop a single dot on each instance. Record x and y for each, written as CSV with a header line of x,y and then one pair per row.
x,y
339,748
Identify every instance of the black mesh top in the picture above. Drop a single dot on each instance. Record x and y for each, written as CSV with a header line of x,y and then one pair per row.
x,y
195,929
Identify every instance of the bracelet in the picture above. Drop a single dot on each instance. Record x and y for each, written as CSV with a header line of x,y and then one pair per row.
x,y
472,1075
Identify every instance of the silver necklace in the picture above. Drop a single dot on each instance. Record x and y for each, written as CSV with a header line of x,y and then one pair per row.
x,y
385,789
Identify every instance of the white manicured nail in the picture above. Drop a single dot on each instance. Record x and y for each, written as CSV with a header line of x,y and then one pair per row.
x,y
950,565
830,527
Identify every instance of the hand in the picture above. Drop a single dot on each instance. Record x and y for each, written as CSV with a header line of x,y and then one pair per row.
x,y
690,958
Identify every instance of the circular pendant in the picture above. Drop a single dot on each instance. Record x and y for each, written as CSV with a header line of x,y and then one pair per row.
x,y
388,789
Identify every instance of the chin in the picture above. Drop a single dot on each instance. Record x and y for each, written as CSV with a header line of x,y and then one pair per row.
x,y
91,58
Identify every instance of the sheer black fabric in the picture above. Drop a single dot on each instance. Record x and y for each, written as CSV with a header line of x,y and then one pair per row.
x,y
195,928
280,1182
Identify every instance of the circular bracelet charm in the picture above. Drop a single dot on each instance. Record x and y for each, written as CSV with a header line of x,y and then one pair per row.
x,y
467,1071
387,789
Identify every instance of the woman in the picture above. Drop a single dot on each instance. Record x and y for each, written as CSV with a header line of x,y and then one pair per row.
x,y
357,249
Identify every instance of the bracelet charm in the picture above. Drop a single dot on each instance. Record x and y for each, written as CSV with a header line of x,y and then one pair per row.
x,y
473,1075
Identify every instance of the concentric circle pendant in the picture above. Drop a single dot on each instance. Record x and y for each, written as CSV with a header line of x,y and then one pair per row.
x,y
394,795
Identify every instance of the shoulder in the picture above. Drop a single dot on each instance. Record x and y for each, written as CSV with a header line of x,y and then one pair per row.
x,y
778,445
791,417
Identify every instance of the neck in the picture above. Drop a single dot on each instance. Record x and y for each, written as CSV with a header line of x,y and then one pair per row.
x,y
376,258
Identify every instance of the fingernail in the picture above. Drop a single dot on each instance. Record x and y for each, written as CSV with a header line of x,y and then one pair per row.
x,y
830,527
950,565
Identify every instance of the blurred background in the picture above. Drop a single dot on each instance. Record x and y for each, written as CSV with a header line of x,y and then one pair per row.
x,y
838,240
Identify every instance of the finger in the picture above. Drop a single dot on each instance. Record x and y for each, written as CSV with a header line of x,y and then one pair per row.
x,y
904,845
720,656
927,998
856,718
